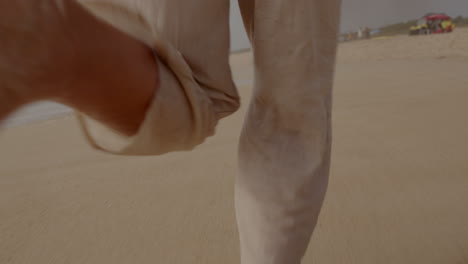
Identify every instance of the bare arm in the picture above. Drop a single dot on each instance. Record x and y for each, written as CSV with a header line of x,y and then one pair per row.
x,y
9,102
67,55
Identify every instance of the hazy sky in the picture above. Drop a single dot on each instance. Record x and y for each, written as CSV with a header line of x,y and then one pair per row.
x,y
372,13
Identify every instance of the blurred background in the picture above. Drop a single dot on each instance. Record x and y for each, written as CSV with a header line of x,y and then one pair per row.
x,y
374,14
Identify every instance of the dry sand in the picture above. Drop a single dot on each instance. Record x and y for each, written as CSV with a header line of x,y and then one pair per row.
x,y
398,191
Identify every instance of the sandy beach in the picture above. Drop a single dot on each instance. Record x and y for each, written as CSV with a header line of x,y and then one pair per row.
x,y
398,186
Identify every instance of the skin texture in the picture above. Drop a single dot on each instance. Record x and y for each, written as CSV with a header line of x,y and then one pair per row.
x,y
55,50
284,148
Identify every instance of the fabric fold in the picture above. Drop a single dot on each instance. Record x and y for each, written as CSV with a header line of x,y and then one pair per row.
x,y
181,115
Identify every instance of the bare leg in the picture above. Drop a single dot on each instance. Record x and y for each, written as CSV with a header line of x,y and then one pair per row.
x,y
56,50
285,144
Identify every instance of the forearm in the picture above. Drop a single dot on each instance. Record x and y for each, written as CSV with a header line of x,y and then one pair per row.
x,y
9,102
67,55
115,76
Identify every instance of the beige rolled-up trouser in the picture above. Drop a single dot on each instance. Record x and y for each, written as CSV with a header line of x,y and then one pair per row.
x,y
284,149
